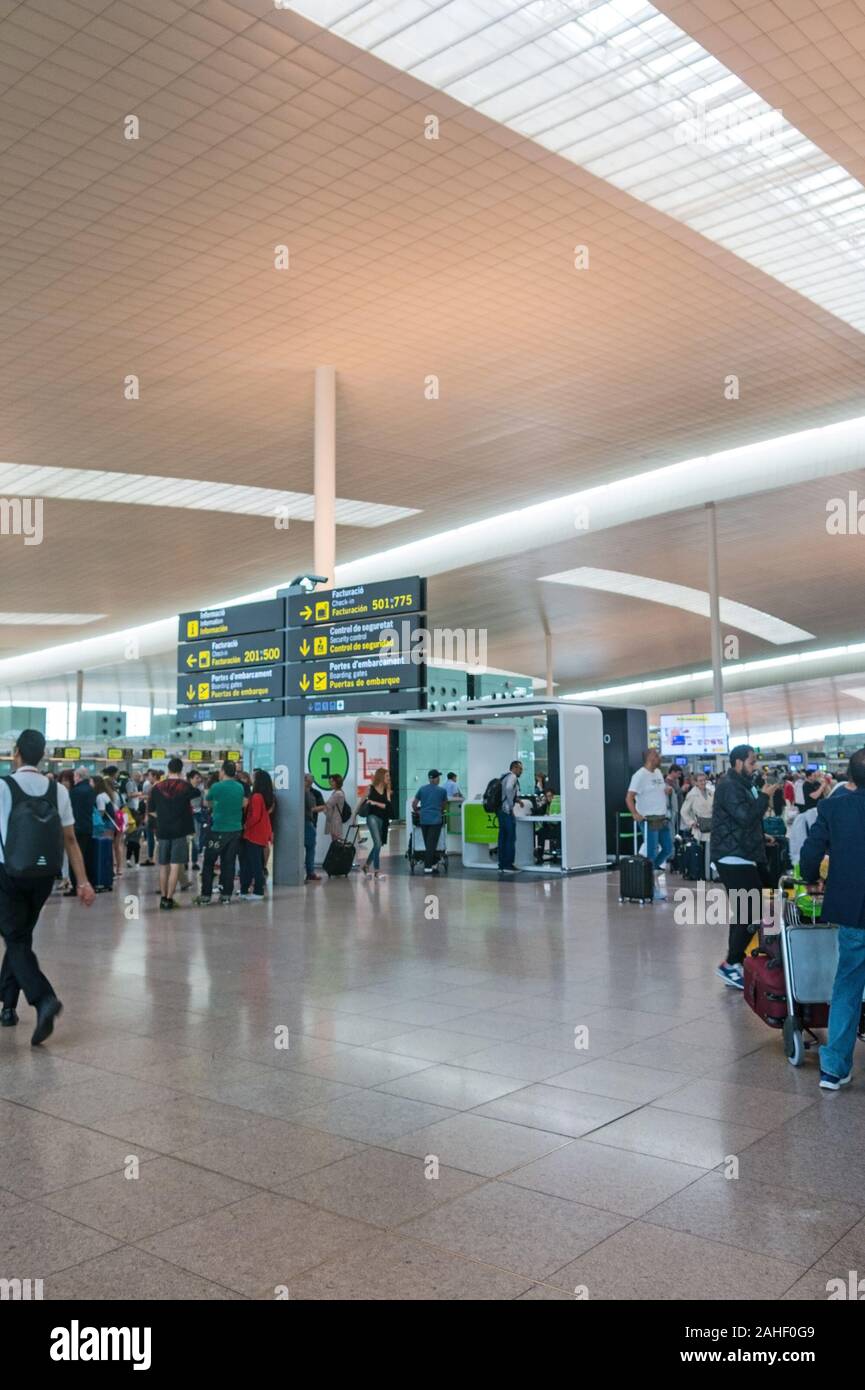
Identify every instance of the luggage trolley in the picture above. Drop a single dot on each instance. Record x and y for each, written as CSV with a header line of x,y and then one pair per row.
x,y
416,849
809,955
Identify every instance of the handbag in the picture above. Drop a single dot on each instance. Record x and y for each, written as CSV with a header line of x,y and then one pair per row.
x,y
656,822
704,825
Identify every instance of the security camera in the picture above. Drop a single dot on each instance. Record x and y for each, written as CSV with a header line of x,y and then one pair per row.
x,y
309,581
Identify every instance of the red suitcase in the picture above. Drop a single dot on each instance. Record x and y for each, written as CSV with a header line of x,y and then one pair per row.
x,y
765,990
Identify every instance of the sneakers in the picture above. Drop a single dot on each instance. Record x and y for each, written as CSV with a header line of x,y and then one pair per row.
x,y
509,869
828,1082
201,902
313,878
166,904
252,897
225,902
732,975
8,1018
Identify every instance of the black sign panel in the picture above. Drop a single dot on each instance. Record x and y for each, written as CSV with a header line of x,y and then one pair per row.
x,y
268,615
226,653
381,703
354,602
215,687
361,639
354,676
233,711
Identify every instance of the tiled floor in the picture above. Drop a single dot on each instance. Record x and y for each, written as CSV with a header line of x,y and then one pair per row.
x,y
430,1130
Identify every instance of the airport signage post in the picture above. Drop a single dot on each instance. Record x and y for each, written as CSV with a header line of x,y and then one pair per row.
x,y
232,657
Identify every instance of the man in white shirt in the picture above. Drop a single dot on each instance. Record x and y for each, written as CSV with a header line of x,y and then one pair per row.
x,y
23,894
647,800
452,787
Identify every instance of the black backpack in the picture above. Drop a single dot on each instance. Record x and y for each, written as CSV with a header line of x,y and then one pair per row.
x,y
493,795
33,847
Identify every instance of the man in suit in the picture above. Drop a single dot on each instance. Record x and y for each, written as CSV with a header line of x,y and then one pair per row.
x,y
839,831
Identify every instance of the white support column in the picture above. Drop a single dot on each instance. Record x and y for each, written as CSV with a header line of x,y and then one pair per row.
x,y
715,610
324,524
548,641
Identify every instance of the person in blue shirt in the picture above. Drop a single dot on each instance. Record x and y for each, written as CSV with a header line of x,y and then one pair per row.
x,y
430,802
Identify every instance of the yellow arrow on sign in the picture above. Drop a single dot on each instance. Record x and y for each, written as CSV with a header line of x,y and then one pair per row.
x,y
306,612
304,682
190,692
304,647
190,660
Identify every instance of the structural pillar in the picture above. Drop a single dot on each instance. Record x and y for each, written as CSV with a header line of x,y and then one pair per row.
x,y
324,521
548,642
79,701
289,765
715,610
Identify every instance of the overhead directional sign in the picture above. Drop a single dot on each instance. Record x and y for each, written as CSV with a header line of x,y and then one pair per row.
x,y
347,639
357,601
225,653
267,615
353,676
218,687
382,703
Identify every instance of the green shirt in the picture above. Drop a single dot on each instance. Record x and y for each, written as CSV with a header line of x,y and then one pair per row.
x,y
226,798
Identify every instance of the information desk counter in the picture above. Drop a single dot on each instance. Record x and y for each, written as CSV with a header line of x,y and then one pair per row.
x,y
481,834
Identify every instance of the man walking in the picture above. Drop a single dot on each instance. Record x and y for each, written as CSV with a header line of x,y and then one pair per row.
x,y
313,806
738,848
648,800
171,808
83,801
511,796
227,801
839,831
36,825
430,802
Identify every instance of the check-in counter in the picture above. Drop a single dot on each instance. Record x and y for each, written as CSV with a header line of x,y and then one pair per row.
x,y
481,834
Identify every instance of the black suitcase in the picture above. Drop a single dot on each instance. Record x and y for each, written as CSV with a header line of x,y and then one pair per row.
x,y
339,860
100,863
694,860
636,879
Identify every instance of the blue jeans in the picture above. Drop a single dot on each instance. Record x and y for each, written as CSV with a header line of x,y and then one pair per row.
x,y
659,844
507,838
374,826
836,1056
309,837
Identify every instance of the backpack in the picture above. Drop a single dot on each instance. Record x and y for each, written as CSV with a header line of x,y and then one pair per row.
x,y
33,847
492,799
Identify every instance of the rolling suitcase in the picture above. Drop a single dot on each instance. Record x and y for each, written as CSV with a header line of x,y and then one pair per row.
x,y
339,859
765,989
100,863
636,879
694,860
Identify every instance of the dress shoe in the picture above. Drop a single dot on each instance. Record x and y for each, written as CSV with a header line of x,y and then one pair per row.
x,y
46,1012
8,1018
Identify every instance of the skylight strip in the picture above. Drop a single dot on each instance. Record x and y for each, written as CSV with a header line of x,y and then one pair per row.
x,y
638,586
188,494
619,89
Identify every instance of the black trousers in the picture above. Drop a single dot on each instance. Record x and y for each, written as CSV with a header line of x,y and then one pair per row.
x,y
431,835
746,909
251,867
83,837
21,901
222,845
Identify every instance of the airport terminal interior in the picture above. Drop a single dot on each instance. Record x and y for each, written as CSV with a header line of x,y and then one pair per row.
x,y
432,658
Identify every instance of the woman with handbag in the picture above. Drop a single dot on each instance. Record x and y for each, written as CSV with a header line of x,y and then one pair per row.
x,y
334,819
377,807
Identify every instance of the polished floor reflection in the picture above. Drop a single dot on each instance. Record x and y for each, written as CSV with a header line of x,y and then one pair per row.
x,y
372,1091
